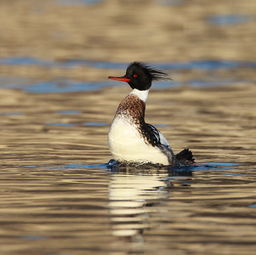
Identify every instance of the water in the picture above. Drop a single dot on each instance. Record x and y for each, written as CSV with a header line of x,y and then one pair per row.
x,y
58,193
208,74
202,65
229,19
59,196
75,2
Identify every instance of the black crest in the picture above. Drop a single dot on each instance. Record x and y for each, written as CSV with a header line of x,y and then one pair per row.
x,y
153,73
140,76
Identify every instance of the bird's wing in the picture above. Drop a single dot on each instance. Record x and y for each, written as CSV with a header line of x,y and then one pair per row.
x,y
155,138
152,134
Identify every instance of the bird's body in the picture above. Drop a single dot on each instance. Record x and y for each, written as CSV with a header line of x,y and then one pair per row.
x,y
131,139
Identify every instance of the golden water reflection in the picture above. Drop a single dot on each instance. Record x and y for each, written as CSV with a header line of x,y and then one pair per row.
x,y
130,196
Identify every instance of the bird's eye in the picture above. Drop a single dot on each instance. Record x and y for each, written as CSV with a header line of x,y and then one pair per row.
x,y
135,76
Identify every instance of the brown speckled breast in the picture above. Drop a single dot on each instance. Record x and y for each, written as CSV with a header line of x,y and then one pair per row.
x,y
134,107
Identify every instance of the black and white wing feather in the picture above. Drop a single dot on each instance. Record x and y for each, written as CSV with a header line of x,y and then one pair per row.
x,y
151,134
155,138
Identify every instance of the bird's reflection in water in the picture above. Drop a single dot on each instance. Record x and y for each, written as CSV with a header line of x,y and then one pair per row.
x,y
135,193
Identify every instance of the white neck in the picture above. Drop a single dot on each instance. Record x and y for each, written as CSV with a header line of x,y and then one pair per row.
x,y
141,94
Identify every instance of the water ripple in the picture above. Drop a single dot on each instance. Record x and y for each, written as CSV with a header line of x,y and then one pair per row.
x,y
76,2
232,19
68,112
69,63
58,86
60,124
72,86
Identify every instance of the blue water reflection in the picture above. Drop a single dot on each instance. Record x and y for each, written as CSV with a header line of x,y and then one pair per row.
x,y
25,61
232,19
64,85
58,86
71,112
70,63
96,124
208,166
72,86
60,124
67,86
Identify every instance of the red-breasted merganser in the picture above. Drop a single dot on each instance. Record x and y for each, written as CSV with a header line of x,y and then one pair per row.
x,y
131,139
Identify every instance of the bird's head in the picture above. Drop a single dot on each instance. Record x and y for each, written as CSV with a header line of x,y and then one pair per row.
x,y
140,76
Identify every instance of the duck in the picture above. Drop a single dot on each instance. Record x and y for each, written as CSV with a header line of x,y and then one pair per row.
x,y
131,140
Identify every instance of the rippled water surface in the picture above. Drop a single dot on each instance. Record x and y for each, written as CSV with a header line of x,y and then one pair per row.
x,y
59,195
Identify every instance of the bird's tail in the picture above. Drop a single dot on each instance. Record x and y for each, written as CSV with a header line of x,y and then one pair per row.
x,y
185,157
